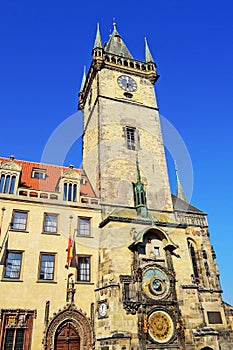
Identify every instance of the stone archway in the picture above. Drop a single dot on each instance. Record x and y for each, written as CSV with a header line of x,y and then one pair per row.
x,y
67,338
68,329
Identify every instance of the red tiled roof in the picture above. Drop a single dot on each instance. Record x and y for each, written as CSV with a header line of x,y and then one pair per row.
x,y
53,174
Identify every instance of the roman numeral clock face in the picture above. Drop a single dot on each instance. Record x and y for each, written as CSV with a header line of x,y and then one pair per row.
x,y
127,83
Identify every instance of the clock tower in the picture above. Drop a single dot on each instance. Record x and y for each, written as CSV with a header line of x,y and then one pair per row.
x,y
121,123
158,282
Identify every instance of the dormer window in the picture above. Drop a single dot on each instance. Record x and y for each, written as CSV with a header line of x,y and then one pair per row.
x,y
70,192
9,176
117,38
70,185
7,183
39,173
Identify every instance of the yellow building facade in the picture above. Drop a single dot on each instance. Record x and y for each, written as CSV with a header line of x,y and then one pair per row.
x,y
105,257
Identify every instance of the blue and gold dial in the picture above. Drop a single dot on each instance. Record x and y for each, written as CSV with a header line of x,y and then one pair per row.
x,y
155,283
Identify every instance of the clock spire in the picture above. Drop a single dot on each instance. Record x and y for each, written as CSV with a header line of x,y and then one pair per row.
x,y
83,79
116,45
98,41
179,190
148,56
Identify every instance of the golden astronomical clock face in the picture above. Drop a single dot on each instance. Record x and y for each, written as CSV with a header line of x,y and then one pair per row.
x,y
161,326
127,83
155,283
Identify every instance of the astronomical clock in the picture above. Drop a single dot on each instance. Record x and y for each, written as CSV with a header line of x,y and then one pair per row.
x,y
150,292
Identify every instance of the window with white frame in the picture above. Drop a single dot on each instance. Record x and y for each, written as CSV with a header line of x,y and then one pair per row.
x,y
84,226
13,265
50,223
83,273
19,220
47,263
38,173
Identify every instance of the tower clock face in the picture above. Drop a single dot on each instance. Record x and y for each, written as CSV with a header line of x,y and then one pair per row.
x,y
103,309
161,326
155,283
127,83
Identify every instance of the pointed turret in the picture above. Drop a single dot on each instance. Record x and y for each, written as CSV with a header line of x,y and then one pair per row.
x,y
148,56
140,193
98,41
83,79
116,45
179,190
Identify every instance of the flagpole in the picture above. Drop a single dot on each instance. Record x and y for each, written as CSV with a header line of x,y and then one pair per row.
x,y
69,248
2,216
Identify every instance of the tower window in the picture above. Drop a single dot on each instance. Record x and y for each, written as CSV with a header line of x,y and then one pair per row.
x,y
131,137
156,251
126,291
193,258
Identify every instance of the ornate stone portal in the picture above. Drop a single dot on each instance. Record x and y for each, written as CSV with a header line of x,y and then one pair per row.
x,y
73,318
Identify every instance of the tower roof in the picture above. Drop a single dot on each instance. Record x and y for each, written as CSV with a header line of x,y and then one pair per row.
x,y
98,41
116,45
148,56
83,79
179,190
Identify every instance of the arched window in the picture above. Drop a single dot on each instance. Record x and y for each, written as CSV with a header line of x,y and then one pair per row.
x,y
193,258
2,181
70,192
131,64
12,186
65,191
7,183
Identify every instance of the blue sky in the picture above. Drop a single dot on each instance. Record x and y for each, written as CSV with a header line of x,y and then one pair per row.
x,y
44,45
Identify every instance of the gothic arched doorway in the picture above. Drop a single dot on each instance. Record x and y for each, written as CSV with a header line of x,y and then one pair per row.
x,y
69,329
67,338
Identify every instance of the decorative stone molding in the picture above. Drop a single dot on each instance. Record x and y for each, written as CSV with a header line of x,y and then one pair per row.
x,y
71,174
77,319
10,165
